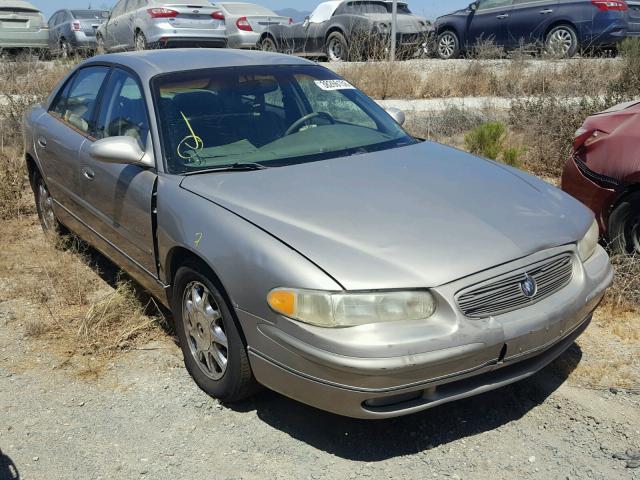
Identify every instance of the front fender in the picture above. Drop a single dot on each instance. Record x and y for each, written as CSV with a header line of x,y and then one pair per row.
x,y
248,260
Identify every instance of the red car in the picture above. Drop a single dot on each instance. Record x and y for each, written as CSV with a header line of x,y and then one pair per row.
x,y
604,173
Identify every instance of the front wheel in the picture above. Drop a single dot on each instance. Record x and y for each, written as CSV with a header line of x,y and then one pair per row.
x,y
561,42
624,226
447,45
337,48
212,347
268,44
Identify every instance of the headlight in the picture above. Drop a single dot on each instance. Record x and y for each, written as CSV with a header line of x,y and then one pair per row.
x,y
588,244
339,309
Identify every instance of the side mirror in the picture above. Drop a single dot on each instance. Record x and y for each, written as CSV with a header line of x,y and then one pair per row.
x,y
473,7
124,150
397,114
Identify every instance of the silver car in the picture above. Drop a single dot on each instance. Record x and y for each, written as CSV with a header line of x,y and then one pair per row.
x,y
22,26
303,240
144,24
246,22
74,30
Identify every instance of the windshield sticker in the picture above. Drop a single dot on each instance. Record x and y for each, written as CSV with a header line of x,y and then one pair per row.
x,y
329,85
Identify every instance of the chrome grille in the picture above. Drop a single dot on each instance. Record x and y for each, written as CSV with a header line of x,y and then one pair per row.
x,y
504,293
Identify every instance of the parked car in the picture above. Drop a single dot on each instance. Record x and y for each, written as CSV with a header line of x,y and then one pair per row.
x,y
341,30
246,22
562,27
303,240
22,26
143,24
603,172
634,18
74,30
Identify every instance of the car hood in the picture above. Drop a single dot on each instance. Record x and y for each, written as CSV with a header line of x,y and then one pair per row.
x,y
415,216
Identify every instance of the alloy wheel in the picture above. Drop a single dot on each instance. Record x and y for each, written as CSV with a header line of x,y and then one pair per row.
x,y
140,42
446,45
205,331
336,50
560,42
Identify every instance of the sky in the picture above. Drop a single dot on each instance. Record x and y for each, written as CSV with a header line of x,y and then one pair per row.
x,y
427,8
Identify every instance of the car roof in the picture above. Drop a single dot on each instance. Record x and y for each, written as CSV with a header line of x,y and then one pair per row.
x,y
150,63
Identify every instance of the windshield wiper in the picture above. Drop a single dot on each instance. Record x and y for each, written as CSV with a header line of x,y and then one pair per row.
x,y
234,167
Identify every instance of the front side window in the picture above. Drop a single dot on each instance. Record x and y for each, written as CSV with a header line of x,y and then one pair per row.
x,y
486,4
118,9
77,102
271,115
123,111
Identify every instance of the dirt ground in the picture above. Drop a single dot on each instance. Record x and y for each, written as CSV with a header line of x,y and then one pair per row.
x,y
138,414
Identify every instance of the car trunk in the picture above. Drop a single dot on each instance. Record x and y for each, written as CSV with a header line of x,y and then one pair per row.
x,y
20,18
89,21
259,23
194,15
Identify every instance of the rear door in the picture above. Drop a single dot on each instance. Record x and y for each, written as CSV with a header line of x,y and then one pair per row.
x,y
117,198
62,131
489,22
529,20
111,31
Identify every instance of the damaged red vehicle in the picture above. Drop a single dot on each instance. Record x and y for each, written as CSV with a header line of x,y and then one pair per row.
x,y
603,172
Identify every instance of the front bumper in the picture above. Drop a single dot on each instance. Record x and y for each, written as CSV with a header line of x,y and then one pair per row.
x,y
358,372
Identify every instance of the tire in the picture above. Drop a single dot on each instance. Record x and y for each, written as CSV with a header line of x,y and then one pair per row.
x,y
624,226
221,371
561,42
65,49
139,41
100,48
448,45
268,44
52,228
337,48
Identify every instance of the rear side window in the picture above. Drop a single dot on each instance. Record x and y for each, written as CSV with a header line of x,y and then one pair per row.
x,y
76,103
123,111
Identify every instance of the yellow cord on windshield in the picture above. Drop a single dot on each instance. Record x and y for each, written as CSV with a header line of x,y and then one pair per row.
x,y
197,144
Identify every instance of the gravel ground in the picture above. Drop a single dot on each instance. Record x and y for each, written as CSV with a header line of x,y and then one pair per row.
x,y
144,417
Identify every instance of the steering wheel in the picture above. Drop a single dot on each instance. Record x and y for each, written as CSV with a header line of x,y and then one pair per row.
x,y
295,126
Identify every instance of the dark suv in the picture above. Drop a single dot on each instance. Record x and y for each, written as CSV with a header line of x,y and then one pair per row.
x,y
560,26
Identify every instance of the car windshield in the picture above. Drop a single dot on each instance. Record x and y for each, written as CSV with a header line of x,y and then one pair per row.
x,y
90,14
266,115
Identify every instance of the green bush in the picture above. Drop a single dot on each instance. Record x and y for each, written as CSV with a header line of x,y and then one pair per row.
x,y
511,156
486,140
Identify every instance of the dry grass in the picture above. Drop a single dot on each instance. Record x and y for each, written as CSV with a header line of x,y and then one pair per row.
x,y
12,182
64,301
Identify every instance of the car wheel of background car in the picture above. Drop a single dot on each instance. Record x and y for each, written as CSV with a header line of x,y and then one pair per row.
x,y
337,48
562,42
100,48
53,229
140,41
448,45
268,44
213,350
624,226
64,48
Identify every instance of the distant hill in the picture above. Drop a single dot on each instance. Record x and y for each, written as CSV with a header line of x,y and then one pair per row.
x,y
297,15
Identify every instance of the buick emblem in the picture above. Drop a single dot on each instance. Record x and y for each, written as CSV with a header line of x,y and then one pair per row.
x,y
528,286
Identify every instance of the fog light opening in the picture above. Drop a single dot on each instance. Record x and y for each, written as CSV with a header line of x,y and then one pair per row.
x,y
392,399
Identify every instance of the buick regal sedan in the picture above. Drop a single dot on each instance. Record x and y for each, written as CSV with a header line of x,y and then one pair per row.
x,y
303,240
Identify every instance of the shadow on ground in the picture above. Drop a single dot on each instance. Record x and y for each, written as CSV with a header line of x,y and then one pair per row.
x,y
376,440
8,470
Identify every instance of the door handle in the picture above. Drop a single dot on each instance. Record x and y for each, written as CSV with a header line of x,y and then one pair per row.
x,y
504,15
42,142
544,12
88,173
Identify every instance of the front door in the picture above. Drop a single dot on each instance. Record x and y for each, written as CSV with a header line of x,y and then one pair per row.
x,y
489,22
529,20
118,198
